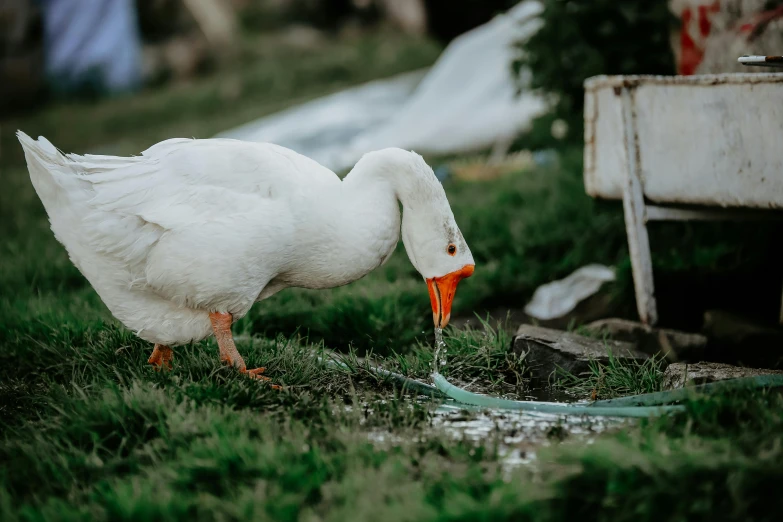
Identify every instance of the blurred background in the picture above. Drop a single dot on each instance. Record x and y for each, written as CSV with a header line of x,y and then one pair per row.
x,y
87,49
246,52
101,47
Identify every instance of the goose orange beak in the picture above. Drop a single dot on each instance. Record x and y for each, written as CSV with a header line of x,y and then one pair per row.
x,y
442,290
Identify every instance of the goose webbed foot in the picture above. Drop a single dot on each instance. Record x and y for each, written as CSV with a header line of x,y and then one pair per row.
x,y
161,357
221,325
256,374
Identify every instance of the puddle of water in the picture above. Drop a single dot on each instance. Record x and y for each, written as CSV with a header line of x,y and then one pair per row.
x,y
518,435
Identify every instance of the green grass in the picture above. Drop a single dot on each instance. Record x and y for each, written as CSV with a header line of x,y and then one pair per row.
x,y
476,356
118,441
616,378
89,432
718,463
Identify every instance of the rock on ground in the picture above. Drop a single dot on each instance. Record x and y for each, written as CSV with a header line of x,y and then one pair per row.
x,y
677,375
545,350
672,344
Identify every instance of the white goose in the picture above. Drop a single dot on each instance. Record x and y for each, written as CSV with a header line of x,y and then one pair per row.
x,y
182,240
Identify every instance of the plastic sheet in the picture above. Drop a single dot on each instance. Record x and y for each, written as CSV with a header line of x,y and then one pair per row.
x,y
466,102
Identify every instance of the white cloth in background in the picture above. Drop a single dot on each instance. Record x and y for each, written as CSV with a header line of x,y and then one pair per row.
x,y
92,41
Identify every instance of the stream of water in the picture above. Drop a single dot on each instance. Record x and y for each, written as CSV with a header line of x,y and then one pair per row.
x,y
439,359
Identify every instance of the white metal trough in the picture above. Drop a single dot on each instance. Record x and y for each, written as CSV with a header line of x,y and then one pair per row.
x,y
683,148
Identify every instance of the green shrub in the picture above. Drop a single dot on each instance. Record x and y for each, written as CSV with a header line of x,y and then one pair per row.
x,y
584,38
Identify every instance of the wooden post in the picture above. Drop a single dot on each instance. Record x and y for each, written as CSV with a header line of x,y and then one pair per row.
x,y
635,220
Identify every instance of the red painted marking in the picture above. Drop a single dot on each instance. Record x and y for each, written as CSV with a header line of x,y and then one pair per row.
x,y
691,53
690,56
704,22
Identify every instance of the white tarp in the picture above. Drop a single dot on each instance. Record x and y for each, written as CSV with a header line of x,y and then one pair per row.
x,y
466,102
320,128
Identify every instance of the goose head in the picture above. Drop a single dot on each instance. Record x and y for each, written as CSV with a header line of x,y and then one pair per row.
x,y
432,239
438,251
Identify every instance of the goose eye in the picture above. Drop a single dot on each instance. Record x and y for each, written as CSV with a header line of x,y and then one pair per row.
x,y
452,249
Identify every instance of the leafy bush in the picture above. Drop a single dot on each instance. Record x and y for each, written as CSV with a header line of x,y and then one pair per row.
x,y
584,38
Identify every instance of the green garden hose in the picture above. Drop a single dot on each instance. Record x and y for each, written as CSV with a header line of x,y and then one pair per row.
x,y
639,406
405,383
466,397
680,394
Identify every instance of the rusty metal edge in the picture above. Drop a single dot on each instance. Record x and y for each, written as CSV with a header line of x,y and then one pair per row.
x,y
604,81
589,154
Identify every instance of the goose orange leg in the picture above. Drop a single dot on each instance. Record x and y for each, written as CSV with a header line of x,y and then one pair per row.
x,y
161,357
221,325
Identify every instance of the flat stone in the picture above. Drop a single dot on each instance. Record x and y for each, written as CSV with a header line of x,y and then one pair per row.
x,y
672,344
546,350
678,375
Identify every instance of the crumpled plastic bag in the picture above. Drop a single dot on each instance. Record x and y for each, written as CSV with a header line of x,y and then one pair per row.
x,y
556,299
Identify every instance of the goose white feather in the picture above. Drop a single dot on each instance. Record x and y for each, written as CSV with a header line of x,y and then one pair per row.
x,y
193,227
